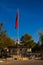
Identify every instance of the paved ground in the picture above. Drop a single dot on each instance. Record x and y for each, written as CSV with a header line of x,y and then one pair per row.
x,y
32,62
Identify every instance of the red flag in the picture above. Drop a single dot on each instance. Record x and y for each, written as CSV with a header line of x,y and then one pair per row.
x,y
16,25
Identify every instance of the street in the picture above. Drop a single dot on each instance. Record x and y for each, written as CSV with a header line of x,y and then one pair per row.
x,y
29,62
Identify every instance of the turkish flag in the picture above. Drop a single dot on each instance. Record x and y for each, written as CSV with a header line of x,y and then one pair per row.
x,y
16,24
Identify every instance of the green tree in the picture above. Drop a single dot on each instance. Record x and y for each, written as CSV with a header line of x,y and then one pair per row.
x,y
36,47
41,40
27,41
5,41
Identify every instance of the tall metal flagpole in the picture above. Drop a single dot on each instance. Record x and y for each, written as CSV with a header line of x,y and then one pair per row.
x,y
17,33
18,26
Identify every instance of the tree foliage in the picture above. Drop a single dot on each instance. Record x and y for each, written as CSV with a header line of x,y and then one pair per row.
x,y
36,47
27,41
5,41
41,40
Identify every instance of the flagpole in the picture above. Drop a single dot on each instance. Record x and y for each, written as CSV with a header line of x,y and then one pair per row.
x,y
18,34
18,31
18,27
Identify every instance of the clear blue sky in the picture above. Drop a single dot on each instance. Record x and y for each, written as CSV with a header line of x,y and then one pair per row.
x,y
30,16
